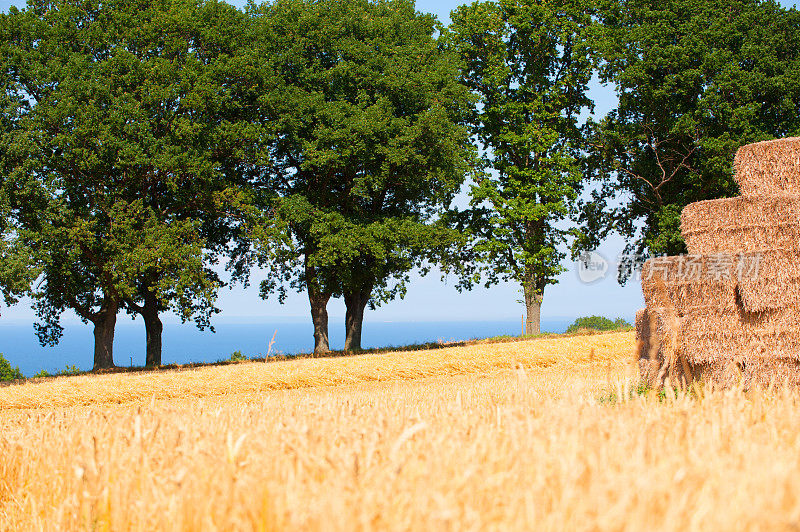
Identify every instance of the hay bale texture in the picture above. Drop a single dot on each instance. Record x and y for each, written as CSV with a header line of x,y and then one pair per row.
x,y
743,224
769,168
729,311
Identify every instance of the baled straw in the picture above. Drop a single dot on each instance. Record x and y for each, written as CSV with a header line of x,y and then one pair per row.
x,y
744,224
689,282
714,335
768,168
655,364
730,311
752,281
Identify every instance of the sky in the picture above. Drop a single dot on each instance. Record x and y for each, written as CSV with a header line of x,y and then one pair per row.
x,y
430,298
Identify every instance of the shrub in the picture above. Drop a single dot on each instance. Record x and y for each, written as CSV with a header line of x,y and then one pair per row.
x,y
237,356
598,323
7,373
68,370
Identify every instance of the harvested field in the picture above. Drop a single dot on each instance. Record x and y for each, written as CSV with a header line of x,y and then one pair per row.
x,y
305,373
541,434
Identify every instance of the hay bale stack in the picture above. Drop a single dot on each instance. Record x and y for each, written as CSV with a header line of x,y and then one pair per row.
x,y
769,168
730,310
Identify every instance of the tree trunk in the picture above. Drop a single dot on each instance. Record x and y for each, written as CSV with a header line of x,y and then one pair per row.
x,y
104,323
319,311
319,317
355,301
153,329
533,306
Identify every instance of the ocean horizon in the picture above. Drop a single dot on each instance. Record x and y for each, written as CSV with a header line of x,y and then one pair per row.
x,y
184,343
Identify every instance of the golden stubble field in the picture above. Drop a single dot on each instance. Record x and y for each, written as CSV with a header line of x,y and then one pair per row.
x,y
513,436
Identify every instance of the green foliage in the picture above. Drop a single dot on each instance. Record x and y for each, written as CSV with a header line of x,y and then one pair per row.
x,y
369,145
529,63
237,356
7,373
119,145
695,80
598,323
70,370
67,371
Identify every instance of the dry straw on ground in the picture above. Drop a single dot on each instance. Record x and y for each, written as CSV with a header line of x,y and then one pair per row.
x,y
562,447
255,377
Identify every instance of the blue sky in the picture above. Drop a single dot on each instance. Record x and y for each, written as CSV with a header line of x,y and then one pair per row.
x,y
430,299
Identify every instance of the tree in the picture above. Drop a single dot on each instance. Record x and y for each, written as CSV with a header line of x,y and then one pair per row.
x,y
17,268
370,147
529,62
115,180
695,81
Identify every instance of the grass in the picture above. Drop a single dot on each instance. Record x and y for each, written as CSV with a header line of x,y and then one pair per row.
x,y
545,434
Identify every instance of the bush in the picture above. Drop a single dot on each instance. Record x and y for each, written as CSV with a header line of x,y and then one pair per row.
x,y
598,323
7,373
237,356
68,370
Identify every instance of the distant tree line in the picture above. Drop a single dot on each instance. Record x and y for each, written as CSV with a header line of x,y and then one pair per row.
x,y
145,146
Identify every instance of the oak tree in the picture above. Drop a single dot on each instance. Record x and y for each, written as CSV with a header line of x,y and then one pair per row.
x,y
368,116
117,172
695,80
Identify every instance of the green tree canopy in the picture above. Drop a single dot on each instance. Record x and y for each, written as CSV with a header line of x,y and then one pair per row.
x,y
370,147
695,80
120,156
529,62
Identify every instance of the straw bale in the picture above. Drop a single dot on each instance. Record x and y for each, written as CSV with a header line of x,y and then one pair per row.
x,y
685,281
711,334
763,294
655,365
753,281
649,333
775,283
744,224
730,310
768,168
708,337
659,330
753,372
771,371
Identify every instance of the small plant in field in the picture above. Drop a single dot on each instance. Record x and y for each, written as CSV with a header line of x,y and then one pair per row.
x,y
70,370
7,373
598,323
237,356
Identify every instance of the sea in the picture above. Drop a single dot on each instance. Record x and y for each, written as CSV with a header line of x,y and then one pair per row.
x,y
184,343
